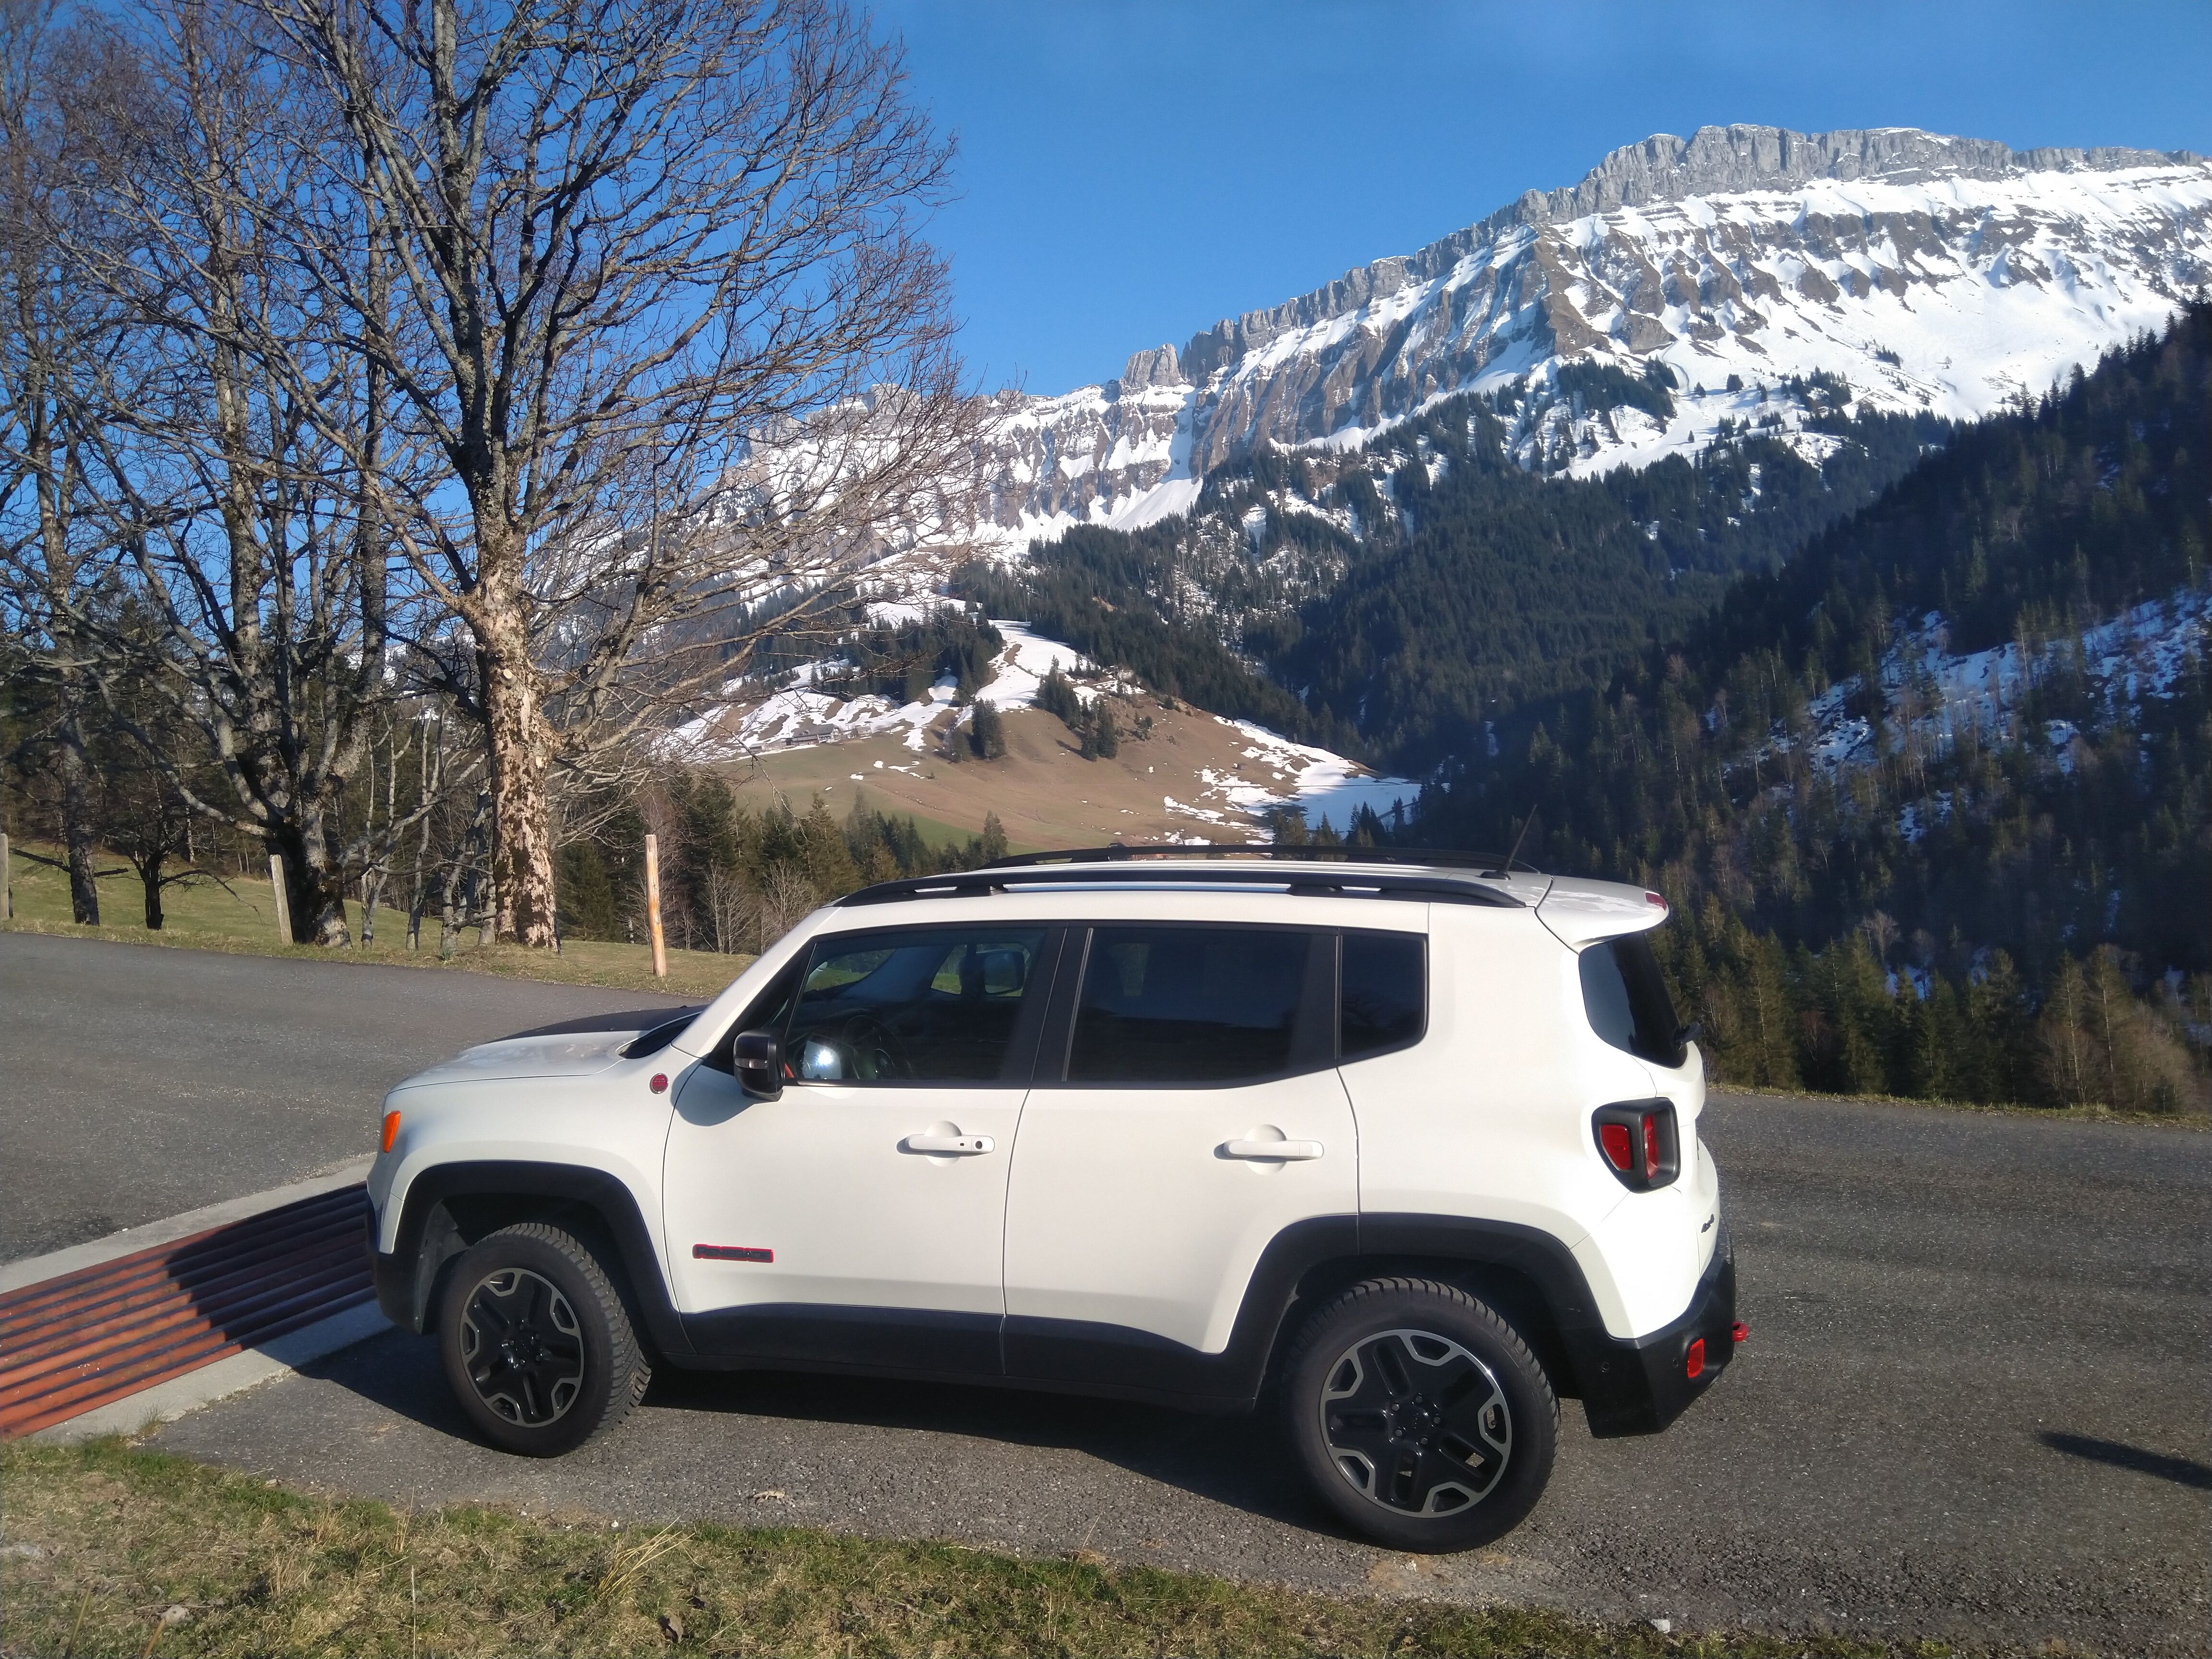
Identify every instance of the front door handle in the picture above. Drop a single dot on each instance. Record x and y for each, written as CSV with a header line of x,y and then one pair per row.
x,y
1288,1151
957,1145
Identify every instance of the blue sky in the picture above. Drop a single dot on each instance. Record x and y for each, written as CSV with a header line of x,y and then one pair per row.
x,y
1131,171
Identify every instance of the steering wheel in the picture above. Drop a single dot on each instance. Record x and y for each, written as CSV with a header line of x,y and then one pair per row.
x,y
875,1053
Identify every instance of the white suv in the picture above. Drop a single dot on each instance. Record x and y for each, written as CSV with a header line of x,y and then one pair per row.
x,y
1412,1147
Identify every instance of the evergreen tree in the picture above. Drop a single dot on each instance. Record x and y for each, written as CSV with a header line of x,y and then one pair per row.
x,y
1055,694
584,901
987,732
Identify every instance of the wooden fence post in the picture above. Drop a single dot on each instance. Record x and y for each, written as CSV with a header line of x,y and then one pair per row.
x,y
283,902
652,906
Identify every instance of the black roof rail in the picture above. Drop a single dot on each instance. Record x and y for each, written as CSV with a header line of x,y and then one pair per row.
x,y
1489,864
1120,867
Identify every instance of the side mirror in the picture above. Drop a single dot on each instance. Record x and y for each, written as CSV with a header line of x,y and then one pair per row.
x,y
1690,1032
756,1060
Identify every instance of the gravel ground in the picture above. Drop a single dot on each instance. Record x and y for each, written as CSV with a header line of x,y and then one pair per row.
x,y
1973,1407
144,1081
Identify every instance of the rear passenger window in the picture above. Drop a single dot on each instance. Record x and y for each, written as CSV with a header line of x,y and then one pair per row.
x,y
1384,1003
1192,1006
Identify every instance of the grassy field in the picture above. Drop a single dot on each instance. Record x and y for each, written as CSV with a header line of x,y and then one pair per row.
x,y
207,916
113,1550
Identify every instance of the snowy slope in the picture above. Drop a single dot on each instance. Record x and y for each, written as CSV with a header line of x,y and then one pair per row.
x,y
1232,802
1928,273
794,715
1943,699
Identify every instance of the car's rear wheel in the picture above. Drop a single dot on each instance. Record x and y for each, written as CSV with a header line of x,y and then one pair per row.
x,y
537,1346
1420,1415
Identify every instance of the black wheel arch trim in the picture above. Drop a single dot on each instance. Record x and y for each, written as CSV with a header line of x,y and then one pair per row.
x,y
429,1235
1627,1385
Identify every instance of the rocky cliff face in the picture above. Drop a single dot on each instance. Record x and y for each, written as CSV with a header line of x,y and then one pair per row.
x,y
1927,273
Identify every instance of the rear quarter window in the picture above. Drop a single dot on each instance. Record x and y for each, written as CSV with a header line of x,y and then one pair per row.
x,y
1626,997
1384,1006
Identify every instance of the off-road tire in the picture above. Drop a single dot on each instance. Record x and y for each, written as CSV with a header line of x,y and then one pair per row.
x,y
541,1262
1480,1367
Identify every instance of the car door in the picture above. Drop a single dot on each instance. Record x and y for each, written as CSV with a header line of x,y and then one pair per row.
x,y
859,1217
1193,1115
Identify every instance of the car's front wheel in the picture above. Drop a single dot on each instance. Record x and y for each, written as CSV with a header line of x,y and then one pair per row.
x,y
537,1346
1420,1415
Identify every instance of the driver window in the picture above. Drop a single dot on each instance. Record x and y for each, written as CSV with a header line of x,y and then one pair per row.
x,y
940,1005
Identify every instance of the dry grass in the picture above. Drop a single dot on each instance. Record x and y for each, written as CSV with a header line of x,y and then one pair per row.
x,y
207,915
113,1550
1044,793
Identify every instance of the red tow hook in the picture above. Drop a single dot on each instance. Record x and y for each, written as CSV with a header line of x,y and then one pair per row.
x,y
1739,1332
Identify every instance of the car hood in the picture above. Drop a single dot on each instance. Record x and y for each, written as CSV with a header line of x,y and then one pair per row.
x,y
577,1053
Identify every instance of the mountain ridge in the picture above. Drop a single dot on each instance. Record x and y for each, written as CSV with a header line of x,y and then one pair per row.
x,y
1929,272
1666,169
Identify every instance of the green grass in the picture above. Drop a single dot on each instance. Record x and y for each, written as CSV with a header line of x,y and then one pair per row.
x,y
209,915
114,1550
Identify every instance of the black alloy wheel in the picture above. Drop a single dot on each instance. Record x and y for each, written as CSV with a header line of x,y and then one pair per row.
x,y
538,1347
1416,1422
1420,1415
522,1347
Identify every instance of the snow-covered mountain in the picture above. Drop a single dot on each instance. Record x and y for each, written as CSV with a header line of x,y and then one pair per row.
x,y
1927,273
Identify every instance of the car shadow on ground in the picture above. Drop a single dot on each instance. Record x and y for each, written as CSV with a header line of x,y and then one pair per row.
x,y
1241,1461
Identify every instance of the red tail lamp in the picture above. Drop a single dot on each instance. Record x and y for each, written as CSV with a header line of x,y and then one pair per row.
x,y
390,1131
1618,1144
1693,1362
1639,1143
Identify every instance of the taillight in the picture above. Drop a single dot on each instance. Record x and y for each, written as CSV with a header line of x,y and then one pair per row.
x,y
1637,1141
1613,1140
1693,1362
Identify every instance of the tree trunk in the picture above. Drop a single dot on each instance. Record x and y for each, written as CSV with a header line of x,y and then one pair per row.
x,y
76,826
150,877
314,888
522,840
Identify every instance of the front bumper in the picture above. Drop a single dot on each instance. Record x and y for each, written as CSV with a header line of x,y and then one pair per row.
x,y
1638,1385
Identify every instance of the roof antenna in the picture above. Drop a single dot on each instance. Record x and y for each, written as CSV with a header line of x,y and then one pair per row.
x,y
1504,868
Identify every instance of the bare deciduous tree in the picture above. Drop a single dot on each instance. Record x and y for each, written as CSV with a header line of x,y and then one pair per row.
x,y
52,345
658,301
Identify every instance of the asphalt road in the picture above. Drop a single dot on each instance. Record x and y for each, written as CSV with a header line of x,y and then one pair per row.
x,y
138,1081
1972,1406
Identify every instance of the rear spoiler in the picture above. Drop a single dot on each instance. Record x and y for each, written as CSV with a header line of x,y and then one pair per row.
x,y
1580,912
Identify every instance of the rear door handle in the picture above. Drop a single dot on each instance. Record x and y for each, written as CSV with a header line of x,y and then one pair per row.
x,y
1289,1152
957,1145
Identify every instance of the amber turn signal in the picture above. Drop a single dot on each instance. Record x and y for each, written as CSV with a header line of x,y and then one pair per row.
x,y
391,1130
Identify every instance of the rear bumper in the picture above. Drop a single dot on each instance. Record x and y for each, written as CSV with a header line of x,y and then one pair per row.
x,y
1639,1385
